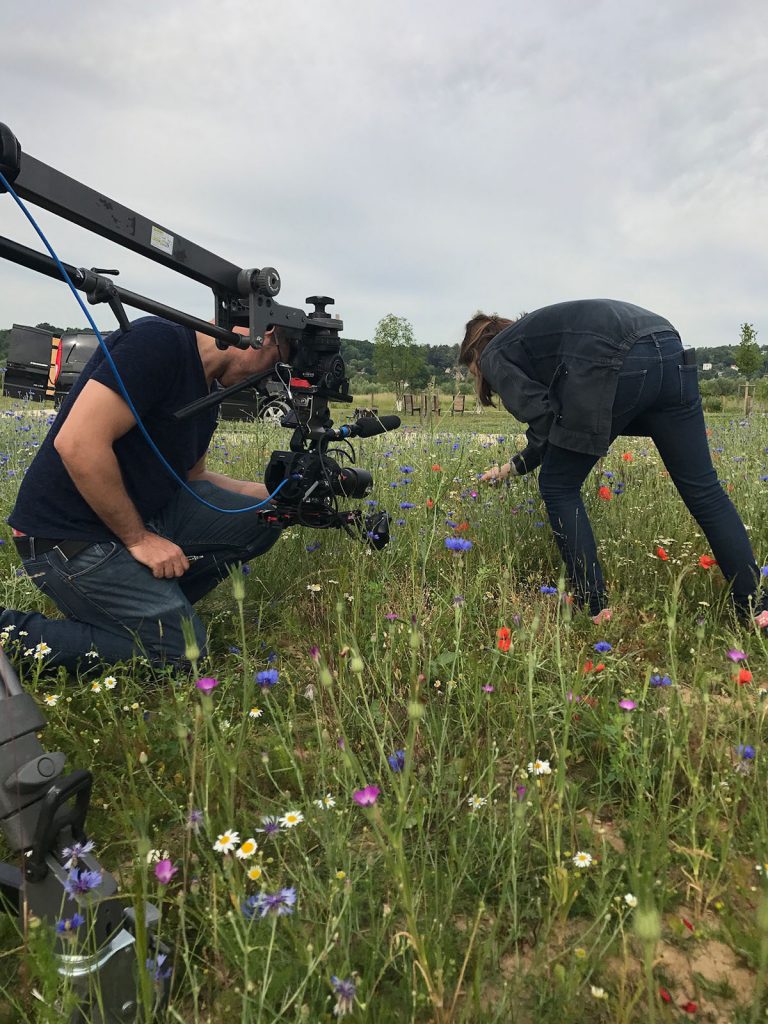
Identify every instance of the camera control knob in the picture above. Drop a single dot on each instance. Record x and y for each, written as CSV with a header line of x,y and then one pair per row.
x,y
320,302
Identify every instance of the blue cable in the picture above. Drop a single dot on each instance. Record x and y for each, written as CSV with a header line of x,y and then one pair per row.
x,y
113,367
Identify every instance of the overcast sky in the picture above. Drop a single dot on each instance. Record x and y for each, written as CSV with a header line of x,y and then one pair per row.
x,y
419,158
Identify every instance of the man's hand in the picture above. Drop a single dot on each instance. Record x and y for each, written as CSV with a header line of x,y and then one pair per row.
x,y
162,556
499,473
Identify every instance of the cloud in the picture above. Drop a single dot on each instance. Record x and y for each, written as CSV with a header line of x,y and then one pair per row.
x,y
422,159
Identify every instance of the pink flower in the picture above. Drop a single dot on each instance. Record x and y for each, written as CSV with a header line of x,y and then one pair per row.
x,y
164,871
736,655
207,684
366,797
488,688
627,705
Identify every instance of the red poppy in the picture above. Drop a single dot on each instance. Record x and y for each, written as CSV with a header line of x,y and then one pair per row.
x,y
627,456
665,995
430,503
662,554
745,676
589,666
605,493
689,1007
687,923
504,638
464,525
706,562
437,469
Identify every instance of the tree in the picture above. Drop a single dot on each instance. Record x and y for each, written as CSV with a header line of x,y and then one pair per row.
x,y
397,357
748,358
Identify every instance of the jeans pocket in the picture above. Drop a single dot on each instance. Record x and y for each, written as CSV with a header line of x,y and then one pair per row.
x,y
689,384
628,391
91,558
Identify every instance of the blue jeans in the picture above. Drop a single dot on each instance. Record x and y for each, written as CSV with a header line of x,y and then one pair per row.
x,y
658,397
114,605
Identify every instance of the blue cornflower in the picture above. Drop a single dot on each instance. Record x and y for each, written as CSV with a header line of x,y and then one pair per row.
x,y
397,760
267,677
75,851
745,752
764,571
245,569
279,903
602,647
69,924
270,825
657,680
399,522
406,469
156,969
407,504
312,547
81,881
394,483
458,543
345,990
548,590
452,523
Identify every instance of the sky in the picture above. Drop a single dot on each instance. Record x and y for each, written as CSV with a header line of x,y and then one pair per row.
x,y
426,159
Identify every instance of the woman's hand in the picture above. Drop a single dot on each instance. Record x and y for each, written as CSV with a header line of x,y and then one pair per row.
x,y
498,473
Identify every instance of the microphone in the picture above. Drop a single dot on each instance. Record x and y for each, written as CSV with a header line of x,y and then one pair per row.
x,y
367,426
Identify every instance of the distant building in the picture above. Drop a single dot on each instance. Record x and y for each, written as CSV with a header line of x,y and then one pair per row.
x,y
707,366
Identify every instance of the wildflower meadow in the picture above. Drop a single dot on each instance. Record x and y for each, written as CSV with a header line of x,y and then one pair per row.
x,y
417,785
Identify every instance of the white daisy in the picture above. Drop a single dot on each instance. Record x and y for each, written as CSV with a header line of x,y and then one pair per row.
x,y
539,767
630,900
255,712
475,802
255,873
247,850
325,802
52,699
582,859
291,818
110,682
227,841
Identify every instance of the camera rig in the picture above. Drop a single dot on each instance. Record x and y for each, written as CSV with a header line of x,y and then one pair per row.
x,y
42,812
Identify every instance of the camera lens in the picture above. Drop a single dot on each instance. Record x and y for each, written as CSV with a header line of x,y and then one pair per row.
x,y
352,482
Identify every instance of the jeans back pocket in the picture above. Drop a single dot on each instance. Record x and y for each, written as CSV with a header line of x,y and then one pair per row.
x,y
629,390
689,384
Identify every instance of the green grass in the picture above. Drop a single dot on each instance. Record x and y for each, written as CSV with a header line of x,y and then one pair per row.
x,y
441,912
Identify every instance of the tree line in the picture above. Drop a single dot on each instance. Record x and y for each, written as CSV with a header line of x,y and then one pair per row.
x,y
394,359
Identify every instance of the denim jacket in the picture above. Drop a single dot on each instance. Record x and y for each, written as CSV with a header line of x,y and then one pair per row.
x,y
557,368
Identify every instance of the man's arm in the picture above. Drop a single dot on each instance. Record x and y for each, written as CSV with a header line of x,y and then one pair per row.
x,y
85,445
253,490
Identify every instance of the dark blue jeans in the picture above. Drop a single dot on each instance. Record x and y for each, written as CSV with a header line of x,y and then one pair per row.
x,y
658,397
115,606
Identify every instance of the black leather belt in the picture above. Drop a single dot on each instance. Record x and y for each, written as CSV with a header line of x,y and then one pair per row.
x,y
31,547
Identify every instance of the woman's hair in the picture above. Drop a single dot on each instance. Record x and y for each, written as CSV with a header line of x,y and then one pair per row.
x,y
482,328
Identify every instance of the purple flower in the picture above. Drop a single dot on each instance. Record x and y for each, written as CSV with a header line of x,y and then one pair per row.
x,y
279,903
487,688
69,924
397,760
521,791
627,705
407,504
268,677
164,871
314,652
195,820
458,544
367,796
657,680
406,469
81,881
458,601
270,825
74,851
345,996
548,590
736,655
764,571
156,969
745,752
312,547
207,684
391,616
602,647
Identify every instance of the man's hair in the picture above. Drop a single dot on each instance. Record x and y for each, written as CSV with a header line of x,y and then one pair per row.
x,y
480,330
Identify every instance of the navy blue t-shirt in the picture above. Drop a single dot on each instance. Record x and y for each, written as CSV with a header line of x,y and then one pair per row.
x,y
160,365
